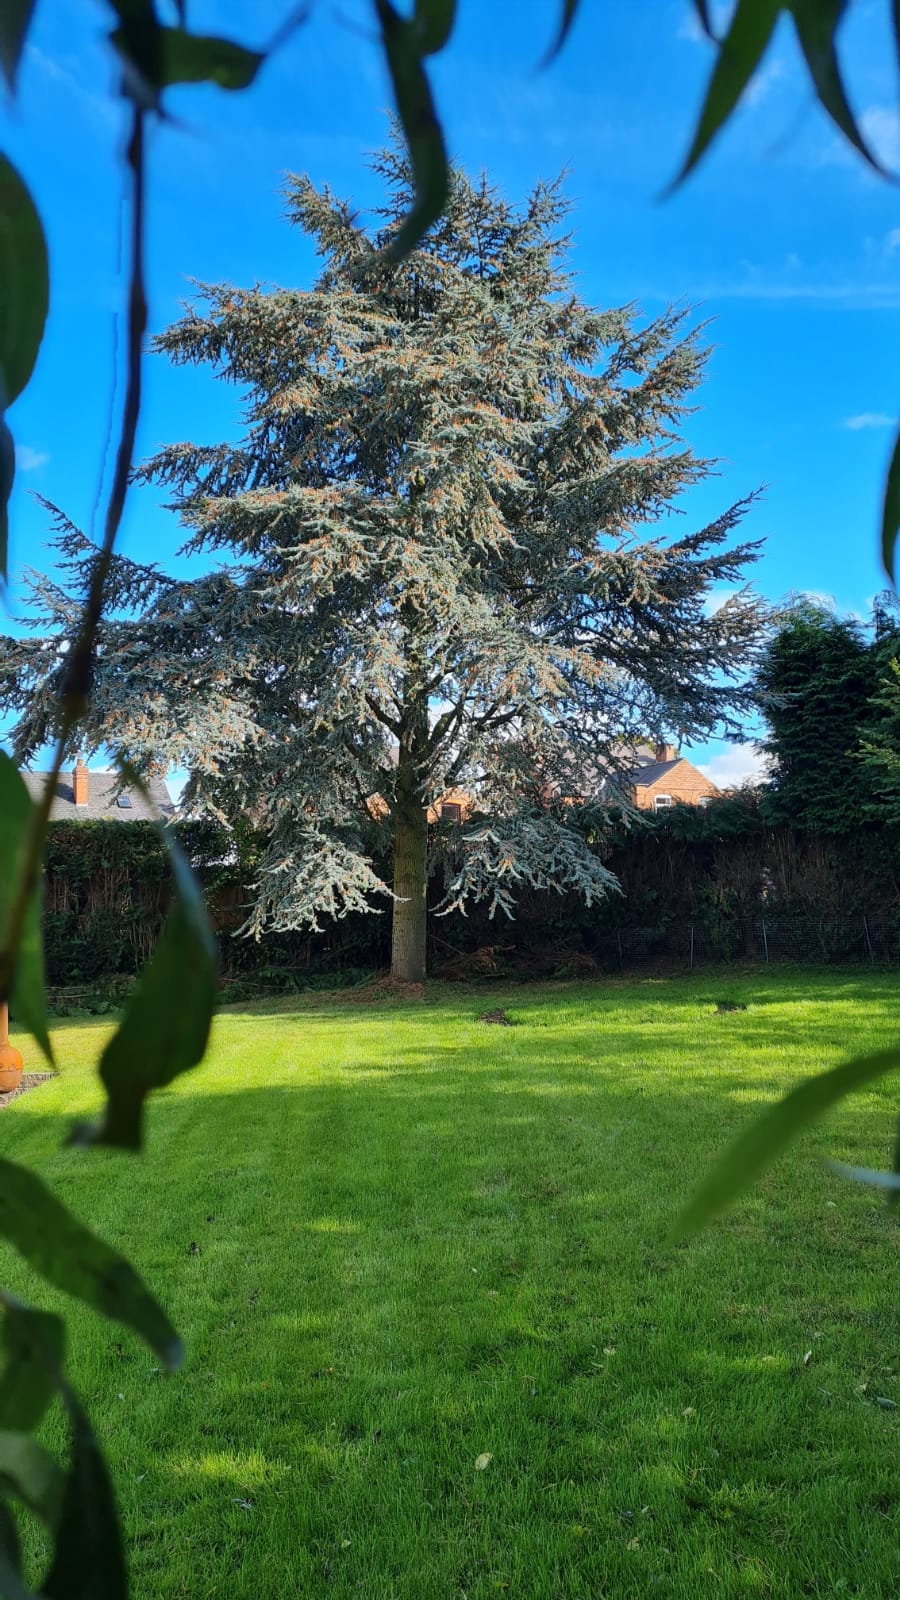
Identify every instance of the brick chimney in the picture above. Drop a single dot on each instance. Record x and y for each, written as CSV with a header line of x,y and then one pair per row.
x,y
665,752
80,783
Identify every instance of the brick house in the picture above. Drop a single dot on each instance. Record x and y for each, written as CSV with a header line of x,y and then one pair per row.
x,y
86,796
661,778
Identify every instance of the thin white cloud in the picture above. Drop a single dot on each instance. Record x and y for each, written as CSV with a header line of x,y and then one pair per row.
x,y
877,296
737,764
892,241
67,73
28,459
849,294
869,419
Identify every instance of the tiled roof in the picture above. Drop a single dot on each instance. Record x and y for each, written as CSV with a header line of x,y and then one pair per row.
x,y
102,799
650,772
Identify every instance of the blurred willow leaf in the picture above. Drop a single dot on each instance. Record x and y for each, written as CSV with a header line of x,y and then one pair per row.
x,y
167,1020
88,1557
7,479
182,57
739,55
569,8
434,21
64,1252
33,1343
15,17
88,1561
11,1585
759,1145
890,516
404,49
137,42
27,963
816,22
703,16
24,298
30,1473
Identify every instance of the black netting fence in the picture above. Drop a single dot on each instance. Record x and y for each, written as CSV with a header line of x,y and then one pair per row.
x,y
847,940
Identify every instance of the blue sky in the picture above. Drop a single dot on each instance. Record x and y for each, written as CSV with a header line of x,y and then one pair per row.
x,y
783,238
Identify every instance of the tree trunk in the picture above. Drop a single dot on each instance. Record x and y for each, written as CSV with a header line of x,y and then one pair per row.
x,y
408,951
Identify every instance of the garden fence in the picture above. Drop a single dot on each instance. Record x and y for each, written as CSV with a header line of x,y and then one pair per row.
x,y
846,940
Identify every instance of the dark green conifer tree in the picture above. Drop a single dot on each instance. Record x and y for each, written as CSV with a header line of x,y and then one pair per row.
x,y
826,690
879,749
447,562
880,746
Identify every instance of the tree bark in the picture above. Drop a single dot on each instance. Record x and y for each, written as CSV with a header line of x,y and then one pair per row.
x,y
408,948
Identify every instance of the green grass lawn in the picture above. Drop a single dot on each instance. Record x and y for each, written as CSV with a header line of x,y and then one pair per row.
x,y
397,1239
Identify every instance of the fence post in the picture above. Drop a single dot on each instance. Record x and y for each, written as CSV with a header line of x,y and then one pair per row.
x,y
765,938
868,940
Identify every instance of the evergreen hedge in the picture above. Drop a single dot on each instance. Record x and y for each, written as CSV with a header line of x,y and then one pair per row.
x,y
107,891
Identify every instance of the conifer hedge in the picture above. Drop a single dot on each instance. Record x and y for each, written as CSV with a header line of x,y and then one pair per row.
x,y
107,891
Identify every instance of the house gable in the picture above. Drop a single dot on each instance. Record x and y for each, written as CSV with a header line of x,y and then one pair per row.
x,y
676,780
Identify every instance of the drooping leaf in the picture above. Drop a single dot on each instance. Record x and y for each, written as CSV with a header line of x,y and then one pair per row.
x,y
567,17
24,284
816,22
71,1258
88,1557
30,1474
421,128
24,298
182,57
890,515
434,20
702,9
166,1024
15,17
7,479
27,994
138,43
11,1585
740,53
79,1506
33,1344
770,1134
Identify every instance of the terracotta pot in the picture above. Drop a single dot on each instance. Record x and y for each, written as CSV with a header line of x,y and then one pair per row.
x,y
10,1068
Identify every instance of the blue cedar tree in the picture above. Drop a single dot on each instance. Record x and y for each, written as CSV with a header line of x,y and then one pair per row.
x,y
446,562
